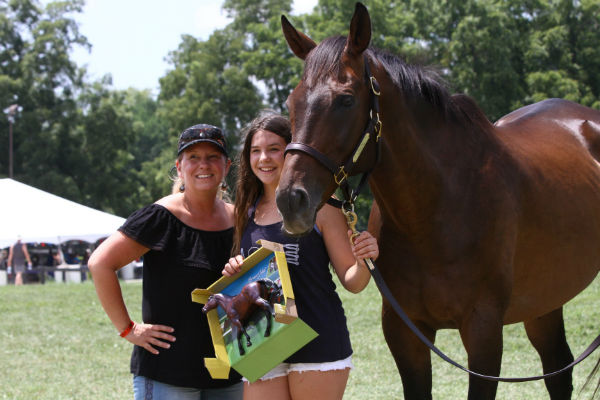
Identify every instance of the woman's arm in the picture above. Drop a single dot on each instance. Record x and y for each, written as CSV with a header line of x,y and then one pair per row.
x,y
347,259
10,257
113,254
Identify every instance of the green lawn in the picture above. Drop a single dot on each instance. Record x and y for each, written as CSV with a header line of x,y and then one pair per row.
x,y
57,343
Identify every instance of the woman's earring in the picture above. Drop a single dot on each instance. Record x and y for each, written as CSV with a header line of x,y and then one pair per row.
x,y
182,187
223,186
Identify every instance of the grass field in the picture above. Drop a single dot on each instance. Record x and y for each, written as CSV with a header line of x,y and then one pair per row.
x,y
57,343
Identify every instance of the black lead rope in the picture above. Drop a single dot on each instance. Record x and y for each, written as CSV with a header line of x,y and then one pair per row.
x,y
390,298
348,210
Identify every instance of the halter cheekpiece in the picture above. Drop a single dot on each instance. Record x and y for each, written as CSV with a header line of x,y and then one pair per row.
x,y
341,173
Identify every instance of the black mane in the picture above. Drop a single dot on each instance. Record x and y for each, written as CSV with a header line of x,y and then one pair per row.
x,y
416,83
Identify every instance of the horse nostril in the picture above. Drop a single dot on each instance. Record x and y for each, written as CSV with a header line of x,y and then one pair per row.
x,y
298,200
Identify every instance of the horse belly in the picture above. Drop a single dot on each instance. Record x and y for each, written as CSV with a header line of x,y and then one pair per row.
x,y
546,279
558,248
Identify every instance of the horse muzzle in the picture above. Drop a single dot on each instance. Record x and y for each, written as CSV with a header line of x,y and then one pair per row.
x,y
298,212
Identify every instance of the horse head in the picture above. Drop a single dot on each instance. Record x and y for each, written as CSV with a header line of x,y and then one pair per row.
x,y
211,303
329,110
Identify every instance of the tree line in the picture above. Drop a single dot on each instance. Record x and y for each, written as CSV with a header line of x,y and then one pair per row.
x,y
113,149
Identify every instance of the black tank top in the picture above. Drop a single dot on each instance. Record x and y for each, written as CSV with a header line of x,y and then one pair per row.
x,y
18,255
318,303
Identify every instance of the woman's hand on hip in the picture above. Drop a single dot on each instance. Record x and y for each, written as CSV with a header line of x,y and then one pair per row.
x,y
150,336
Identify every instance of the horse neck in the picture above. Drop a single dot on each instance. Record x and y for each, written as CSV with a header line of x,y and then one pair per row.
x,y
222,300
422,156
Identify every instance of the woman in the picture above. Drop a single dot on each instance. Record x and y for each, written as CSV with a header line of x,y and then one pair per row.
x,y
184,238
320,369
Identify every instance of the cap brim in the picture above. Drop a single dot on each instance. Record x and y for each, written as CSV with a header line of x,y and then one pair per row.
x,y
193,142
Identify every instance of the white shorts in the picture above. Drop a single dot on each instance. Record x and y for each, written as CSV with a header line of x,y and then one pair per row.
x,y
284,369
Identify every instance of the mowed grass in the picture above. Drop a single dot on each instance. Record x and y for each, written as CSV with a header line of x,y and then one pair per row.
x,y
57,343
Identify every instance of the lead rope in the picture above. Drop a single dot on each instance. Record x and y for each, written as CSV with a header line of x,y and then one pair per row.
x,y
351,218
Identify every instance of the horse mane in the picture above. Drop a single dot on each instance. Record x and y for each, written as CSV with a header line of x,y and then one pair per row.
x,y
416,83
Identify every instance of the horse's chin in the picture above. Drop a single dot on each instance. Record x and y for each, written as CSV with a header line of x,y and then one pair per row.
x,y
296,231
298,211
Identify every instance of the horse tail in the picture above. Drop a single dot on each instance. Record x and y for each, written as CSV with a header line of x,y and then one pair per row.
x,y
590,378
590,130
267,282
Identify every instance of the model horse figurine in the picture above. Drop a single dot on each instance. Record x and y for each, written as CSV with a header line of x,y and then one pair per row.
x,y
239,308
479,224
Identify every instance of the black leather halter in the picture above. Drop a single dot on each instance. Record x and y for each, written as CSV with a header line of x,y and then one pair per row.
x,y
341,173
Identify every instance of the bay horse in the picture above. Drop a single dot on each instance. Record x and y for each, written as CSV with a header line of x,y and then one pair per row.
x,y
260,294
479,224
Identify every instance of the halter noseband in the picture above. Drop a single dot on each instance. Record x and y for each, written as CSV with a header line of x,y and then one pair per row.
x,y
341,173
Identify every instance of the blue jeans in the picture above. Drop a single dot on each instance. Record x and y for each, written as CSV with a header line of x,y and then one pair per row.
x,y
149,389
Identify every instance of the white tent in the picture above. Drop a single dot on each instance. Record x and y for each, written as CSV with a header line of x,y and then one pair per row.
x,y
39,216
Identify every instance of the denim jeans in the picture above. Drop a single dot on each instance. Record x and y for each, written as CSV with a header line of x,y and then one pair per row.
x,y
149,389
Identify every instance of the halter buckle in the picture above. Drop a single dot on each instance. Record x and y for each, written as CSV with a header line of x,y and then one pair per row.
x,y
340,176
374,86
377,128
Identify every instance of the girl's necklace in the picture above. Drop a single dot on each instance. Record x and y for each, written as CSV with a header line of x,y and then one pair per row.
x,y
267,213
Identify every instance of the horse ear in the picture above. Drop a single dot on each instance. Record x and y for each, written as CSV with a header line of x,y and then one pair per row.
x,y
360,31
299,43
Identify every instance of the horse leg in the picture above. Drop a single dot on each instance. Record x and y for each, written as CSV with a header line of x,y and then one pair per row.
x,y
239,339
268,315
413,358
481,334
241,330
547,335
248,341
269,311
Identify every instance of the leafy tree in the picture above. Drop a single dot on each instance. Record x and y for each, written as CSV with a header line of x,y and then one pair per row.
x,y
37,74
264,56
481,50
207,84
113,149
73,138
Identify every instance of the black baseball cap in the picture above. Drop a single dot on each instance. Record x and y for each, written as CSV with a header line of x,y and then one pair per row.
x,y
202,133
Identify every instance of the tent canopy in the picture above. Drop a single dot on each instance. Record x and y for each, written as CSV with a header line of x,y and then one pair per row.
x,y
38,216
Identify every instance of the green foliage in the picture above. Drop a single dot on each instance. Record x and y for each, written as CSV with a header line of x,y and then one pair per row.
x,y
36,73
113,149
208,85
73,138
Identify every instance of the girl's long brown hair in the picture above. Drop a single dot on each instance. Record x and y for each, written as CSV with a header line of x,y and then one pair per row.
x,y
248,187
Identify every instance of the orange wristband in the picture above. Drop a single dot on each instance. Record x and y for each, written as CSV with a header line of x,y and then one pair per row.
x,y
127,330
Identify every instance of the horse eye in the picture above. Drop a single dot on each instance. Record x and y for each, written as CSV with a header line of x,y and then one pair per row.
x,y
346,100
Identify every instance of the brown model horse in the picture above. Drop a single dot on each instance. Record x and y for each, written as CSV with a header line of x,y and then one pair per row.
x,y
255,295
480,225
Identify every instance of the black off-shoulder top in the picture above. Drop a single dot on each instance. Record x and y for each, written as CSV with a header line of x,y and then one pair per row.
x,y
181,259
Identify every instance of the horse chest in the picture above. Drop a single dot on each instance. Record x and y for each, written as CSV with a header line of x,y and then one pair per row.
x,y
242,307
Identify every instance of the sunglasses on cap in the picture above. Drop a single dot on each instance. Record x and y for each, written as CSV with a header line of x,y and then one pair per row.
x,y
202,133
